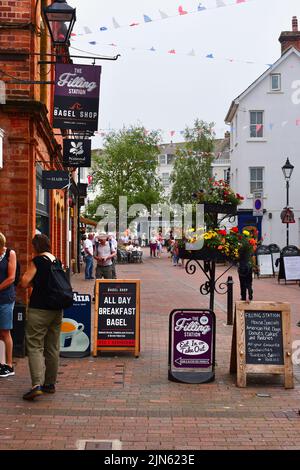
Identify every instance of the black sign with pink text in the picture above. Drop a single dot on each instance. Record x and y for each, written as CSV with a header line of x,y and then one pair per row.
x,y
192,345
76,97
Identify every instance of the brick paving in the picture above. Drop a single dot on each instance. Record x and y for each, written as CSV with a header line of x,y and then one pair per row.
x,y
131,400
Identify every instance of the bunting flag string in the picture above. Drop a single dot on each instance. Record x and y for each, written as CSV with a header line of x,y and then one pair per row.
x,y
163,16
180,133
191,53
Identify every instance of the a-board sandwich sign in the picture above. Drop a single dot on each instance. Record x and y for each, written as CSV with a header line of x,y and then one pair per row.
x,y
117,316
75,334
191,345
76,97
292,268
261,342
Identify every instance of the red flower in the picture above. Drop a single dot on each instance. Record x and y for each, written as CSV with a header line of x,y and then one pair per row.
x,y
222,232
235,229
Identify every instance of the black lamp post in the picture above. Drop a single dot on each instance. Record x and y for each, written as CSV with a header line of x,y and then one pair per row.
x,y
287,171
60,19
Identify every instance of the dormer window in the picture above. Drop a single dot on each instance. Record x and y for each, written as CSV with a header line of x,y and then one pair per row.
x,y
275,82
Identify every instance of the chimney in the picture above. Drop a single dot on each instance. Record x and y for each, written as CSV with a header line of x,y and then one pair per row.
x,y
295,23
289,39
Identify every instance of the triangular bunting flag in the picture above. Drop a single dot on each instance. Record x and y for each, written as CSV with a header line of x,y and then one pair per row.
x,y
192,53
103,28
297,122
163,15
152,49
87,30
134,24
210,56
220,3
200,7
240,1
93,43
116,25
172,133
172,51
147,19
181,11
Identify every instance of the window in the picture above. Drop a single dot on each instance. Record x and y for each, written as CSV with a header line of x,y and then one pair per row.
x,y
256,124
162,159
170,158
275,81
256,179
165,177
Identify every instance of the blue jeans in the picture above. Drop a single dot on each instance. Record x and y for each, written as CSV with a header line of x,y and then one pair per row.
x,y
88,267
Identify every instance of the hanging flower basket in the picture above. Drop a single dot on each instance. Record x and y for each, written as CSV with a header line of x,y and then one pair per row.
x,y
204,254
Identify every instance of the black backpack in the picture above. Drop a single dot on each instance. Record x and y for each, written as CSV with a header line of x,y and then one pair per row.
x,y
59,292
18,268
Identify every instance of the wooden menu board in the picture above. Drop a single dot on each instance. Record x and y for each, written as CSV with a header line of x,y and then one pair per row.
x,y
261,341
117,316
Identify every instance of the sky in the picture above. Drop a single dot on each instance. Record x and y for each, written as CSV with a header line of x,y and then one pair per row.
x,y
168,91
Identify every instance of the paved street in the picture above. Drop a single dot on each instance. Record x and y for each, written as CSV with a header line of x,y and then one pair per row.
x,y
131,400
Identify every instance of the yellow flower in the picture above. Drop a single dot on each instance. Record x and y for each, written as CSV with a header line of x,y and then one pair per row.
x,y
245,232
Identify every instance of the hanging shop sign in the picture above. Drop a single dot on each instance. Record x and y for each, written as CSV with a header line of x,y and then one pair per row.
x,y
77,153
191,346
117,316
261,342
55,179
76,97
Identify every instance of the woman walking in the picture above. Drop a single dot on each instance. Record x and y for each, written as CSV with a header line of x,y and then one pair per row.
x,y
43,324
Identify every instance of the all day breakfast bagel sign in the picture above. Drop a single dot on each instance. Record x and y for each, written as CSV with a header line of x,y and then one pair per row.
x,y
117,316
76,97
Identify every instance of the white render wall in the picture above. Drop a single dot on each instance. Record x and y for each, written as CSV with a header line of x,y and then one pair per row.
x,y
271,152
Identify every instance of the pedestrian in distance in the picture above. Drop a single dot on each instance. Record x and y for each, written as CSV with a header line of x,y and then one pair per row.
x,y
43,321
113,244
89,256
8,264
104,256
245,272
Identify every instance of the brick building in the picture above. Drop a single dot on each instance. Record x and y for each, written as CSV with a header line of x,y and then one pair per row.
x,y
29,143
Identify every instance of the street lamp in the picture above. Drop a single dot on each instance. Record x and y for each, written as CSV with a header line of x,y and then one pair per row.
x,y
60,19
287,170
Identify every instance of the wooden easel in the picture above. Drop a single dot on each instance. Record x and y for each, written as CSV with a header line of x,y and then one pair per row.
x,y
238,359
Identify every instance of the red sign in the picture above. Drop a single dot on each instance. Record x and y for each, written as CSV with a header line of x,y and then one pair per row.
x,y
287,216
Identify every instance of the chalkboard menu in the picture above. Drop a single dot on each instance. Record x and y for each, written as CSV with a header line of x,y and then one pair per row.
x,y
191,345
117,304
263,337
261,341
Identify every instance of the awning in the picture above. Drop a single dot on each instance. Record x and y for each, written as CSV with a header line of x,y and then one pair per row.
x,y
88,221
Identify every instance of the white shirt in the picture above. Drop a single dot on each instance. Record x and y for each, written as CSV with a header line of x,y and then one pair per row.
x,y
88,247
103,251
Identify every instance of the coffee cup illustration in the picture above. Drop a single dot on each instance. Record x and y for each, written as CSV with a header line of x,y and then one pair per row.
x,y
69,329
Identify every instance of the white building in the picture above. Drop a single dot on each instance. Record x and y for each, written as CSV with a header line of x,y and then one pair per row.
x,y
265,131
220,165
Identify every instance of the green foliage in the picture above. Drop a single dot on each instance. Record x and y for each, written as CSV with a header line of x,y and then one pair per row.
x,y
192,168
127,167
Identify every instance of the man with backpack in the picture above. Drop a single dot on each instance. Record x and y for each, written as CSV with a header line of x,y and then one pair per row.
x,y
51,293
8,264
